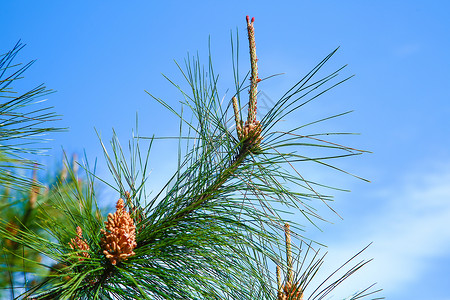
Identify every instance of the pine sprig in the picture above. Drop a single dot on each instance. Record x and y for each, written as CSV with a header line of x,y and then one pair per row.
x,y
295,278
212,232
24,121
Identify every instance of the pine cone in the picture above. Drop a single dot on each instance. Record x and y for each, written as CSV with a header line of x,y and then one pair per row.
x,y
78,243
252,134
290,292
119,238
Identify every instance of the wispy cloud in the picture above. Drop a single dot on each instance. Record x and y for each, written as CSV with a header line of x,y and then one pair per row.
x,y
410,230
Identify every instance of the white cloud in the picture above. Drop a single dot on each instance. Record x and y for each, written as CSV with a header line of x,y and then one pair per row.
x,y
410,230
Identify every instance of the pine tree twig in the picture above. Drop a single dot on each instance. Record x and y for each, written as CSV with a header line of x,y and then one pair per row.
x,y
237,118
207,194
250,135
250,132
197,242
279,280
290,272
254,71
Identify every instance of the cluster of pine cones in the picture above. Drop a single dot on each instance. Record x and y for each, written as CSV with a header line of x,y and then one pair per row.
x,y
119,237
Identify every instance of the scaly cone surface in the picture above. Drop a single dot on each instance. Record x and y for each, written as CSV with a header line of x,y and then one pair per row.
x,y
119,238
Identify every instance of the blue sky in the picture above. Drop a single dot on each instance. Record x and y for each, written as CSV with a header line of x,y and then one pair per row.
x,y
101,56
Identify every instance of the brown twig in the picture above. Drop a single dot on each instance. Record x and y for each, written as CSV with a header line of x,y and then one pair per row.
x,y
254,66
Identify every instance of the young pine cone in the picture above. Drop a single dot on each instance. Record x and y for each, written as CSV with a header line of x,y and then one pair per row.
x,y
290,292
119,238
78,243
252,133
